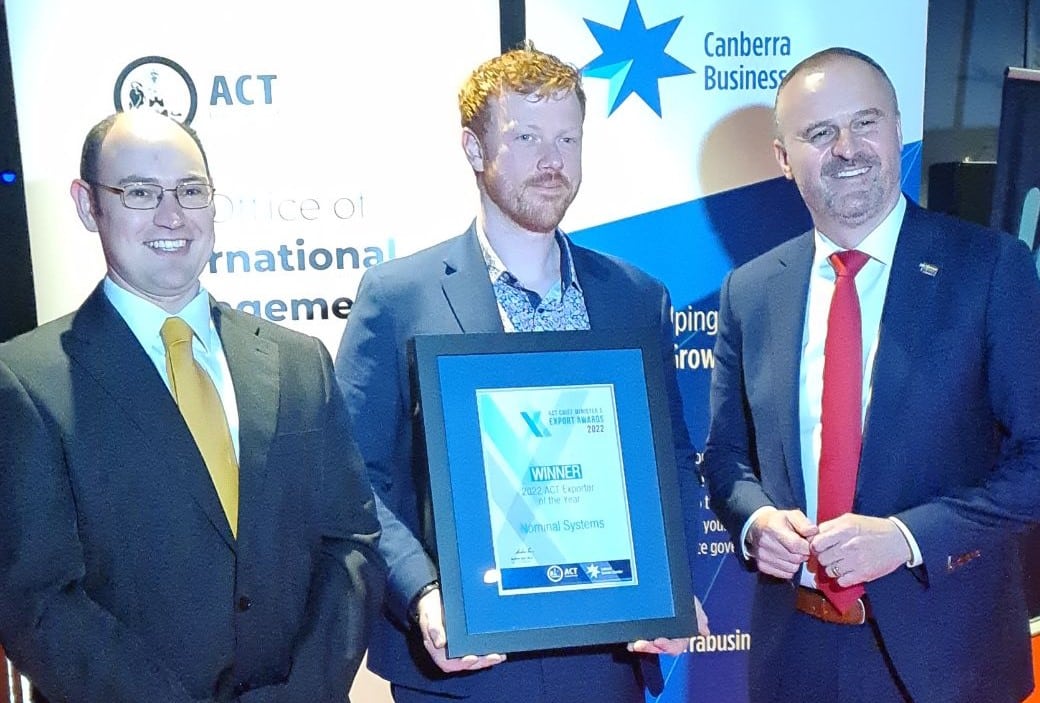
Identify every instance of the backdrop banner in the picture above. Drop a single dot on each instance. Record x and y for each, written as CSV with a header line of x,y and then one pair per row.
x,y
332,134
680,179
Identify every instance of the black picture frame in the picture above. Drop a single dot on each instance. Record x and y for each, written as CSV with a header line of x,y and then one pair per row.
x,y
657,601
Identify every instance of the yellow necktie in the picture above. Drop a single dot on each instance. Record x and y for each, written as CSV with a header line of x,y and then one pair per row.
x,y
200,405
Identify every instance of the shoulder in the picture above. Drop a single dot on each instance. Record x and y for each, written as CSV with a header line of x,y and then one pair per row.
x,y
611,270
40,348
965,243
771,262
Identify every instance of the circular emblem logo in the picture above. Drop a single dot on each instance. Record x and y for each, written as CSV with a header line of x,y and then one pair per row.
x,y
554,573
156,83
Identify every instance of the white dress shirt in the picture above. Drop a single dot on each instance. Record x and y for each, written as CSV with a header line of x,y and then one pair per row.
x,y
145,319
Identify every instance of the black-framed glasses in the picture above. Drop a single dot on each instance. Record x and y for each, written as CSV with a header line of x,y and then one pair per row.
x,y
147,196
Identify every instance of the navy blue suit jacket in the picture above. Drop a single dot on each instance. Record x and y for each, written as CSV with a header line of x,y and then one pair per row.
x,y
119,577
444,290
951,446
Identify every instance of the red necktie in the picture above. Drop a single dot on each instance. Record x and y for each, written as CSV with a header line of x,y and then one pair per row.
x,y
842,419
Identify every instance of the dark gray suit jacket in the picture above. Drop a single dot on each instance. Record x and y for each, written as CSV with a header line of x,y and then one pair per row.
x,y
119,577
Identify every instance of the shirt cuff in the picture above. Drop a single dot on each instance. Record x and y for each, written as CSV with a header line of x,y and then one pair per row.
x,y
916,559
747,528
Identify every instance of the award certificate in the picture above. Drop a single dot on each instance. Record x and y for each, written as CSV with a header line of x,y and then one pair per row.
x,y
556,492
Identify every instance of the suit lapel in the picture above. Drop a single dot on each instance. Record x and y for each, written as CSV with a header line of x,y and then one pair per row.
x,y
467,288
102,344
787,292
253,364
601,295
910,291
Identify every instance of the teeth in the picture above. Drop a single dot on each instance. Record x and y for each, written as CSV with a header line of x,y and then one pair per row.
x,y
853,173
167,244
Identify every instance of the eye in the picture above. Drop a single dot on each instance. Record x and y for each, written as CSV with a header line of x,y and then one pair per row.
x,y
819,135
192,189
527,137
569,140
865,123
141,191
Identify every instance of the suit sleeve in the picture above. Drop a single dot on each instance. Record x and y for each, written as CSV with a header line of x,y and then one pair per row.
x,y
733,485
347,582
368,371
1008,499
69,645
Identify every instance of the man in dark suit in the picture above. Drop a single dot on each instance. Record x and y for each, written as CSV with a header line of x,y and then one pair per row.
x,y
133,565
911,588
513,270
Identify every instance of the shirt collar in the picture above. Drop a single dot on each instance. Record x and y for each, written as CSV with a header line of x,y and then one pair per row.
x,y
145,318
879,245
496,267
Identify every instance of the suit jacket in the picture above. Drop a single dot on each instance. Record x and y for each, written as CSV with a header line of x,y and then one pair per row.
x,y
119,577
951,445
443,290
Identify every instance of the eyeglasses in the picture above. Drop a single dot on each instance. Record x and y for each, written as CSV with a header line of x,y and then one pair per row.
x,y
147,196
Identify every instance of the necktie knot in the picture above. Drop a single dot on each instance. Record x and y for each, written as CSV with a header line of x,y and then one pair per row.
x,y
175,331
848,262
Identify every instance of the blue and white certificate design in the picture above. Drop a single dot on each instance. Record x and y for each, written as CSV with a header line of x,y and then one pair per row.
x,y
556,488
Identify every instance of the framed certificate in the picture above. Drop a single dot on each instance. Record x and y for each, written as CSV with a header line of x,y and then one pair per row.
x,y
554,489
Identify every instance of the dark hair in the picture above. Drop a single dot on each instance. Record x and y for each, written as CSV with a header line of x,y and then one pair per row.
x,y
88,163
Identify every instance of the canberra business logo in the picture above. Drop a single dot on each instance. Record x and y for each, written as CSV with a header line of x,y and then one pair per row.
x,y
159,84
634,58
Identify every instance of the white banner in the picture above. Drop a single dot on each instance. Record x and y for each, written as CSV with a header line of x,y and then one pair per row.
x,y
331,131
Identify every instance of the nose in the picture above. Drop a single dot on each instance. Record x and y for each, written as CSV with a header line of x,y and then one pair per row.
x,y
845,144
551,157
169,213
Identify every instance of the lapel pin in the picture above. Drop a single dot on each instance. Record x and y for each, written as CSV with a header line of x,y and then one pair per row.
x,y
928,269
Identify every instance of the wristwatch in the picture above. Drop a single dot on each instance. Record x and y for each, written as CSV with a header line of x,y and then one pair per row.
x,y
413,607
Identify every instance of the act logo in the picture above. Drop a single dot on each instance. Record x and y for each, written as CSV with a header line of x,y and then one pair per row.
x,y
159,84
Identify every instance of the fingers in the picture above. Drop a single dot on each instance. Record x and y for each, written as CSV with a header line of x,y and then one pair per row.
x,y
661,645
435,640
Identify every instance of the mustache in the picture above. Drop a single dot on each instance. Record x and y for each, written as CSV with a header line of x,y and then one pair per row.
x,y
838,164
549,179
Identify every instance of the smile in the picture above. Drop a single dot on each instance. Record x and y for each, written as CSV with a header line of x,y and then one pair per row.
x,y
852,173
167,244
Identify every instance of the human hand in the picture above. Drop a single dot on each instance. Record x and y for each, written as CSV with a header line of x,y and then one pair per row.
x,y
779,541
673,646
859,548
431,626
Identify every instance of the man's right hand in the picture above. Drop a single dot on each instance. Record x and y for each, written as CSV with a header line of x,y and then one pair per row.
x,y
779,541
431,626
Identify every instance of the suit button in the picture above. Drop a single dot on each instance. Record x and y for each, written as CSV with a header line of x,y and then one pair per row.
x,y
241,687
244,604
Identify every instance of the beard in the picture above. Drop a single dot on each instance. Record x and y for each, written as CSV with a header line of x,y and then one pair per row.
x,y
854,203
530,207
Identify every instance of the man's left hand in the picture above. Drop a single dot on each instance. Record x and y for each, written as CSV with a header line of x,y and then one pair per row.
x,y
673,646
857,548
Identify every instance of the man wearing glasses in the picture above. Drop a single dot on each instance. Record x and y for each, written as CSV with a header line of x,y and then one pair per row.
x,y
185,514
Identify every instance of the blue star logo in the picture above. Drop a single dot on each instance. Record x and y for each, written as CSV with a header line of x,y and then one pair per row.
x,y
633,58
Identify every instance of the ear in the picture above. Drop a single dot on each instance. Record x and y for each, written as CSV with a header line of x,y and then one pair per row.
x,y
474,150
780,152
81,196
